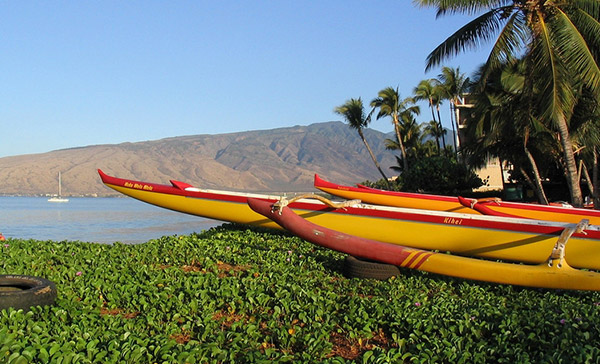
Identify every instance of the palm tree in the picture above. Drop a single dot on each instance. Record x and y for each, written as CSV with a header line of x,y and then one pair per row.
x,y
425,91
560,40
430,90
354,113
411,133
453,84
389,104
503,125
414,136
433,129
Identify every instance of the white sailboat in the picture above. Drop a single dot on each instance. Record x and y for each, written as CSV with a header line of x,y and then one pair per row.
x,y
58,198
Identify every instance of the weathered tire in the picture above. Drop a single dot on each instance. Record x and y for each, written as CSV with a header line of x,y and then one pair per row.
x,y
23,292
360,268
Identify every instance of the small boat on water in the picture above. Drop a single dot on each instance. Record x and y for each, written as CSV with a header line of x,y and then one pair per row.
x,y
494,207
554,273
58,198
521,240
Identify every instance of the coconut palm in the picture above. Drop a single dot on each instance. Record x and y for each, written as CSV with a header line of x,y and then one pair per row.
x,y
503,125
453,85
354,113
389,104
411,133
433,129
414,141
559,39
430,91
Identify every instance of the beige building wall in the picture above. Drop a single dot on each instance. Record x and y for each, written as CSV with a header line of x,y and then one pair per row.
x,y
493,173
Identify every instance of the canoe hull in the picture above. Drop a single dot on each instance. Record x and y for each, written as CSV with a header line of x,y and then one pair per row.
x,y
471,235
542,276
452,204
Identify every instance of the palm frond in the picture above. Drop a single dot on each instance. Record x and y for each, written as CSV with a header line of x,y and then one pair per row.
x,y
353,111
573,47
591,7
469,37
512,82
510,42
588,24
391,144
555,91
460,6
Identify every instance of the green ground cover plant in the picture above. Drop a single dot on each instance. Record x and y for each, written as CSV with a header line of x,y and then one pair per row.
x,y
233,294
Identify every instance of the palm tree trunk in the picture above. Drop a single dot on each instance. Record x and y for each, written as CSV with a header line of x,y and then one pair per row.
x,y
440,121
595,180
453,132
400,143
501,162
570,164
457,121
437,139
362,136
537,181
443,135
458,141
589,182
432,110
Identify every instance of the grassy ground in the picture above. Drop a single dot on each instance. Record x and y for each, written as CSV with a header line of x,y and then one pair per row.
x,y
233,294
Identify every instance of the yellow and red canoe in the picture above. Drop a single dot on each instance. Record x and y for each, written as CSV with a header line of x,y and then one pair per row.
x,y
493,207
554,274
521,240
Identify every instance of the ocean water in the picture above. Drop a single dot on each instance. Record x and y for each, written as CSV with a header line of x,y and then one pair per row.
x,y
102,220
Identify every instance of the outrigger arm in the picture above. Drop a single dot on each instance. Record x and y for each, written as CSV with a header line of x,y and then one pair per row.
x,y
283,202
559,248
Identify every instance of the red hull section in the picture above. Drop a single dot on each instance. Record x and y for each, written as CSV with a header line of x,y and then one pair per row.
x,y
335,240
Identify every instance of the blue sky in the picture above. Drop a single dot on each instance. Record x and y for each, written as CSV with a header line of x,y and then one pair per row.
x,y
77,73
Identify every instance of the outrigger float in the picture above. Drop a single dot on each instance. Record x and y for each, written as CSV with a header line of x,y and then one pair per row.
x,y
554,274
486,206
510,239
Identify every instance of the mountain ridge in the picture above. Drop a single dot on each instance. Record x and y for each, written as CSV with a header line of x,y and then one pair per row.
x,y
274,160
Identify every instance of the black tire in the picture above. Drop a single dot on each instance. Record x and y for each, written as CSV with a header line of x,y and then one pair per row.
x,y
360,268
23,292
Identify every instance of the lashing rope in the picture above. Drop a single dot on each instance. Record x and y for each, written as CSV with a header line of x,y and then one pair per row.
x,y
485,199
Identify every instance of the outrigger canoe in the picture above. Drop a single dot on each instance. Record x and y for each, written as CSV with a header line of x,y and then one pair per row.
x,y
521,240
552,274
494,207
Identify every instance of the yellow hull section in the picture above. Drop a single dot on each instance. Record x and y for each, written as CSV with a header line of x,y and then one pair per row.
x,y
542,276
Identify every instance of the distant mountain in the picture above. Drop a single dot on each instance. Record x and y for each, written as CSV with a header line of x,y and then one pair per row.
x,y
277,160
